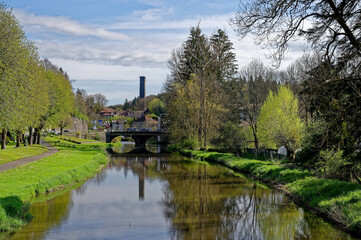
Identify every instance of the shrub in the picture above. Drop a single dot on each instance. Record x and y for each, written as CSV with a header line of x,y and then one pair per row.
x,y
97,137
190,143
312,143
332,164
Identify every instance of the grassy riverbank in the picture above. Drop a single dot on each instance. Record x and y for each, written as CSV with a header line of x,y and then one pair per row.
x,y
11,153
64,168
338,201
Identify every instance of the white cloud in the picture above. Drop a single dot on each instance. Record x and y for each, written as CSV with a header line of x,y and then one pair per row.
x,y
80,70
144,50
209,22
65,25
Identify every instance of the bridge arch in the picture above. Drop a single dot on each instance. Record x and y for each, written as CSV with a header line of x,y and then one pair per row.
x,y
140,138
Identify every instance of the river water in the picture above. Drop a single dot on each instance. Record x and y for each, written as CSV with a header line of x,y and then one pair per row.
x,y
160,196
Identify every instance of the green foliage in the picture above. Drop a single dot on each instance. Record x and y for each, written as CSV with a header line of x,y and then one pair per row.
x,y
193,91
231,136
313,142
333,164
23,90
190,143
155,117
279,121
156,106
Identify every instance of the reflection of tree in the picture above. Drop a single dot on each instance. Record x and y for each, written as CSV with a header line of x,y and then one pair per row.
x,y
205,202
47,214
200,201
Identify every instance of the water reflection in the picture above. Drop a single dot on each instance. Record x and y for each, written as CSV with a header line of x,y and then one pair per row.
x,y
49,214
170,197
127,147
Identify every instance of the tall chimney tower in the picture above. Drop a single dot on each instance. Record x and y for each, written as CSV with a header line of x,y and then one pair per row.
x,y
142,87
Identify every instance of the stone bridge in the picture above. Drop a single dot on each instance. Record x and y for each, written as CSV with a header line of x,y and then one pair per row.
x,y
139,137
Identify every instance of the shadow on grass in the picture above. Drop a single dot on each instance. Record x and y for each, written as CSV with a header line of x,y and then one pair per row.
x,y
315,191
13,213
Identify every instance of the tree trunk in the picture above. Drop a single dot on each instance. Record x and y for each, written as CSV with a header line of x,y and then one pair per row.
x,y
255,141
30,140
18,138
38,137
61,130
35,134
3,137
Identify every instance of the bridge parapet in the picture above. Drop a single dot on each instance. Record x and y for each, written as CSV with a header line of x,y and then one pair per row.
x,y
140,137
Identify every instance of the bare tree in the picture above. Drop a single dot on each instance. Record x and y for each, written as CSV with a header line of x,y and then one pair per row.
x,y
248,93
331,26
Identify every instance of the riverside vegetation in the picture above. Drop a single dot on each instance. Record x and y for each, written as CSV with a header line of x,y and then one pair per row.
x,y
68,166
338,201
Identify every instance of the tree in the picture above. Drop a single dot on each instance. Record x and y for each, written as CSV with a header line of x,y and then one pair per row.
x,y
196,61
156,106
295,76
65,122
95,103
247,94
23,95
225,58
60,95
184,111
334,101
279,122
333,28
79,101
231,136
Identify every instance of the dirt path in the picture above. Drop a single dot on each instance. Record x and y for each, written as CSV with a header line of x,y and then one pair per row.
x,y
22,161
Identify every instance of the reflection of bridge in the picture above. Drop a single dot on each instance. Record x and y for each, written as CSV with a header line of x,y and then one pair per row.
x,y
139,137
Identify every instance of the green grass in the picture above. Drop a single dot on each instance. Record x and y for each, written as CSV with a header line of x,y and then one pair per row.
x,y
77,140
22,183
337,200
11,153
266,170
341,201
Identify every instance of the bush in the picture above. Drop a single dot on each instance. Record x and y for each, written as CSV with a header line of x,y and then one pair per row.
x,y
190,143
312,143
231,136
332,164
97,137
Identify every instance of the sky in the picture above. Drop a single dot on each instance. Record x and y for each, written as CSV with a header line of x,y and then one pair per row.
x,y
105,46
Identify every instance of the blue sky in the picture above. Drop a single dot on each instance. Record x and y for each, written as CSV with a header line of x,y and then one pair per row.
x,y
106,45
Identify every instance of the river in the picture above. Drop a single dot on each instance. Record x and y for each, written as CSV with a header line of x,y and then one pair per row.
x,y
163,196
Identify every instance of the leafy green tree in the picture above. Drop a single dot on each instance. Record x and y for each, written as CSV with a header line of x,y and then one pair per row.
x,y
23,95
79,101
184,111
231,136
65,122
246,94
279,122
200,62
60,95
332,28
156,106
